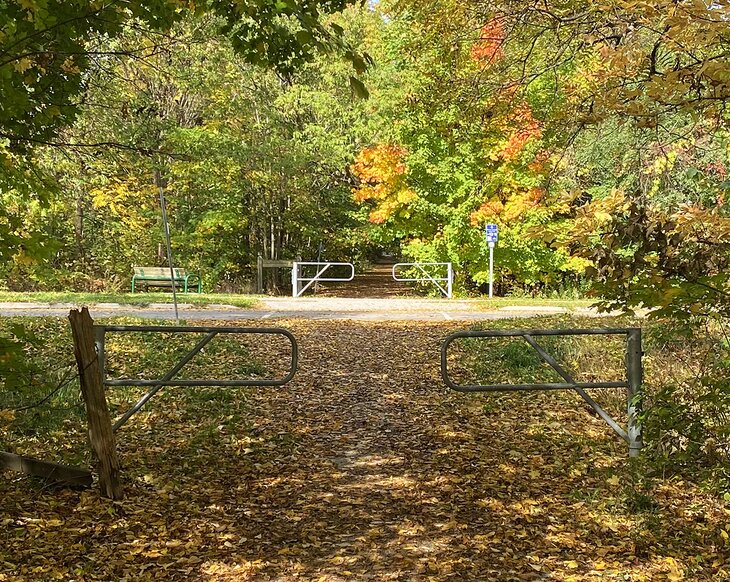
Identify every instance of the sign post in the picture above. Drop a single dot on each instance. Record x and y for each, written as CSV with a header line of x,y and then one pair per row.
x,y
491,232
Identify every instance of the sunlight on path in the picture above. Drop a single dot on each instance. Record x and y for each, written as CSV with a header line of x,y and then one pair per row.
x,y
364,468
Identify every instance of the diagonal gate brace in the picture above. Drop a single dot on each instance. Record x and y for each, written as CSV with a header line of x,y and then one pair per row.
x,y
632,384
168,379
169,376
583,394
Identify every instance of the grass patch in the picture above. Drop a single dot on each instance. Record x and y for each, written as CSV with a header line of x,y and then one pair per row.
x,y
499,302
513,360
141,299
41,410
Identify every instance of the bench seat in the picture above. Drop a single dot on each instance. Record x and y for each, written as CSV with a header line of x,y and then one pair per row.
x,y
160,277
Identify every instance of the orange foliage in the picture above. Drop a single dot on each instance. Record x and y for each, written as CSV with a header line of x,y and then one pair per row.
x,y
541,161
488,48
526,127
487,212
511,210
381,171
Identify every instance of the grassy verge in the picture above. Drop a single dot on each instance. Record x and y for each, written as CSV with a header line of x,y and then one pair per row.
x,y
685,397
498,302
41,411
142,299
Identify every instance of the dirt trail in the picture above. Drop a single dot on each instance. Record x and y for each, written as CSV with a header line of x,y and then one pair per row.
x,y
376,282
397,478
364,468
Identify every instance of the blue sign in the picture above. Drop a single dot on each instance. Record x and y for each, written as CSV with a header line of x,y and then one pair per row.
x,y
492,233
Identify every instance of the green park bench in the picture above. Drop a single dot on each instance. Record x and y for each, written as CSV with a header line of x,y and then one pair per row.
x,y
160,277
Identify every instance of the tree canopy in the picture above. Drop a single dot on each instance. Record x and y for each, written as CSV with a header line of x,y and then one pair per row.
x,y
595,135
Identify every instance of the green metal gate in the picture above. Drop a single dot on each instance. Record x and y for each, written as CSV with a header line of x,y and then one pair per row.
x,y
634,374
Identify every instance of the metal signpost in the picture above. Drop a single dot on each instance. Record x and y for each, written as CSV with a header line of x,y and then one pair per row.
x,y
321,267
448,279
491,232
632,384
166,227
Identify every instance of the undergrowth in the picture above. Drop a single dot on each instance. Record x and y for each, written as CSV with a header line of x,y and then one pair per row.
x,y
41,409
686,418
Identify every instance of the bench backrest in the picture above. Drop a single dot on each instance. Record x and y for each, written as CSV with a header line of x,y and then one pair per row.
x,y
158,272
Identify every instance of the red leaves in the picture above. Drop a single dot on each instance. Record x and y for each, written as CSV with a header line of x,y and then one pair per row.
x,y
526,127
488,48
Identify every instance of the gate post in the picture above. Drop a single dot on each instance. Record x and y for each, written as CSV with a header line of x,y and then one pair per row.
x,y
634,374
450,283
259,274
294,279
101,434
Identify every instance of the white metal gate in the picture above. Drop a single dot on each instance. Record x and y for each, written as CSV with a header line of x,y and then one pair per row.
x,y
297,278
448,279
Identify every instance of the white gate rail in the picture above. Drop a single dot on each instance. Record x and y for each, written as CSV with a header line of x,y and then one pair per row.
x,y
321,268
448,279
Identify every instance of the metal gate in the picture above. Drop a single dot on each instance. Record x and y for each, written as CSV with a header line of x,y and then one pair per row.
x,y
448,279
321,267
634,375
169,378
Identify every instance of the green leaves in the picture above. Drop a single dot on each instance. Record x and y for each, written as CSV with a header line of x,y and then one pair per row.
x,y
358,88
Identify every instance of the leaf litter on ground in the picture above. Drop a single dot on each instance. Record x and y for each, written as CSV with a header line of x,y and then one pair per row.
x,y
366,467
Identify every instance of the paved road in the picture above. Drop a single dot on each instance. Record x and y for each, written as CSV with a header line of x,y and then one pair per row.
x,y
323,308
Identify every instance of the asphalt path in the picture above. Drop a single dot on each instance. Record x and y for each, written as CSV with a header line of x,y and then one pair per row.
x,y
318,308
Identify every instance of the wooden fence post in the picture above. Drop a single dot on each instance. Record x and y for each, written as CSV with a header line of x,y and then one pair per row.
x,y
259,274
101,435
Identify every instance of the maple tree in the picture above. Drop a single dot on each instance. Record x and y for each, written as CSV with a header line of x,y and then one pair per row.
x,y
488,48
381,170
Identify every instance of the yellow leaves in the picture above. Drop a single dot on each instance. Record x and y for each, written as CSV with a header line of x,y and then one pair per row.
x,y
22,65
675,573
602,217
382,172
521,201
69,66
6,417
485,500
380,164
23,258
576,264
405,196
125,199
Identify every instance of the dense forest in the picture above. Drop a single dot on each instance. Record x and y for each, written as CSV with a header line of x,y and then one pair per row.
x,y
594,135
596,138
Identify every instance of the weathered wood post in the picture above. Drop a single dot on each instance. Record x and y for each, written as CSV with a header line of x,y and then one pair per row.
x,y
101,435
259,274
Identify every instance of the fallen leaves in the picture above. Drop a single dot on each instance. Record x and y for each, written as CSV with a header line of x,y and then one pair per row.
x,y
364,468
